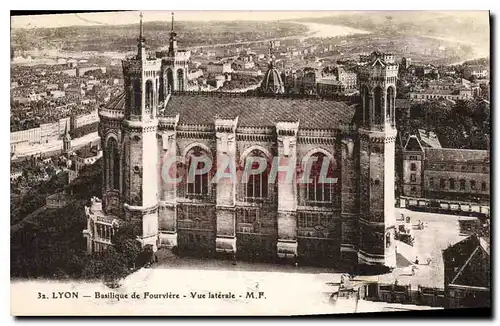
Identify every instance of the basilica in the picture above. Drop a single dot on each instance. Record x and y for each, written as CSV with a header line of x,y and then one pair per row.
x,y
351,221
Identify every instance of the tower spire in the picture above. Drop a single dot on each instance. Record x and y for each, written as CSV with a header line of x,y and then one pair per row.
x,y
271,55
141,40
173,42
141,27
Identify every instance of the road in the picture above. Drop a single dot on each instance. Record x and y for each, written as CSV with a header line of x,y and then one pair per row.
x,y
440,231
57,145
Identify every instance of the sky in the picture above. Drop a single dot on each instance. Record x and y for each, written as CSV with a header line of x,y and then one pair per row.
x,y
132,17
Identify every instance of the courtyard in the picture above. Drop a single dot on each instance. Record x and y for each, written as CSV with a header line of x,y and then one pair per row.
x,y
439,232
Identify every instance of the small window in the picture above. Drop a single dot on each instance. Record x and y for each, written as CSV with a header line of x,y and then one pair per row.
x,y
463,168
473,184
413,177
452,183
413,166
137,169
377,182
431,182
442,183
483,186
462,184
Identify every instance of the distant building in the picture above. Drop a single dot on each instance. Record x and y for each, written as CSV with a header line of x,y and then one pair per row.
x,y
467,273
87,155
477,71
219,68
460,89
444,173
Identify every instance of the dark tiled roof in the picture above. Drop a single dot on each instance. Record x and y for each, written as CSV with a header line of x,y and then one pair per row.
x,y
455,155
117,103
458,256
254,111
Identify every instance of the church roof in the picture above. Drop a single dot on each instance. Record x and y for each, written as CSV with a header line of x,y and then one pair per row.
x,y
456,155
117,103
255,111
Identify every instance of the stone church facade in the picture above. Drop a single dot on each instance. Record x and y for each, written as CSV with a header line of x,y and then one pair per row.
x,y
154,122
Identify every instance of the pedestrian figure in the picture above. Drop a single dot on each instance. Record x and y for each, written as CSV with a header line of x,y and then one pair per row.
x,y
429,261
413,268
416,260
234,258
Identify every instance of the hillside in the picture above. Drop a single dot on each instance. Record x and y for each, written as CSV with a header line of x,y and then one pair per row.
x,y
464,26
122,38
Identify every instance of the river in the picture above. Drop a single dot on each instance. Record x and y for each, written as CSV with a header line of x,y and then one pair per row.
x,y
326,30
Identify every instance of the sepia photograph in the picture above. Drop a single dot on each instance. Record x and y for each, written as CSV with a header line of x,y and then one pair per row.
x,y
250,163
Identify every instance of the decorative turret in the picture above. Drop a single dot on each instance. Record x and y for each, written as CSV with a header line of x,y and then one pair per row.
x,y
66,140
141,75
141,42
272,82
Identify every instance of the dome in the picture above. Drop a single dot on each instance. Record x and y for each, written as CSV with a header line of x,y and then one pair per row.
x,y
272,82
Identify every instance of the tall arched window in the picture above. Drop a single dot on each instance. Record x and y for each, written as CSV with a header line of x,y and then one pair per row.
x,y
162,89
198,183
180,79
257,185
377,95
125,166
170,81
113,164
390,102
452,183
137,97
366,104
320,189
149,95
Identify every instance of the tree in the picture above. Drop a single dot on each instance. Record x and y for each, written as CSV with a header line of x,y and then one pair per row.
x,y
125,242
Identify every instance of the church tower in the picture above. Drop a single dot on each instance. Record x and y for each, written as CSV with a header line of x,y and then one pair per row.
x,y
138,142
175,66
377,135
66,140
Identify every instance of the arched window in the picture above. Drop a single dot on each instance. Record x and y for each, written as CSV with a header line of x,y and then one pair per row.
x,y
113,164
320,188
257,185
137,97
170,81
377,95
390,102
197,183
180,79
462,184
149,95
366,104
452,183
125,166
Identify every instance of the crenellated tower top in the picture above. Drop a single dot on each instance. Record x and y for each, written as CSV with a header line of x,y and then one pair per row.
x,y
140,74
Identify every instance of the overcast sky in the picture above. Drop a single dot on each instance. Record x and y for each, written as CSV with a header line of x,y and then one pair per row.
x,y
131,17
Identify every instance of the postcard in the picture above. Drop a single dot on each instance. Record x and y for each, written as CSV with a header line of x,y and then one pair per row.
x,y
198,163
